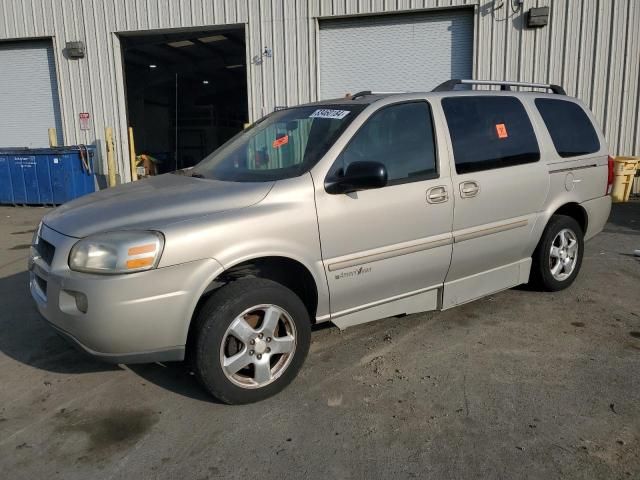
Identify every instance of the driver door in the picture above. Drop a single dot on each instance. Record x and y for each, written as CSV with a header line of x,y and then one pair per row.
x,y
386,251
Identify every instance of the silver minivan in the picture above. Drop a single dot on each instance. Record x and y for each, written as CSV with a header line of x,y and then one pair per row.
x,y
343,211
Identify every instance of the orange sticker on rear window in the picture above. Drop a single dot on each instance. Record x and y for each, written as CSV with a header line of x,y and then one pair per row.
x,y
501,130
280,141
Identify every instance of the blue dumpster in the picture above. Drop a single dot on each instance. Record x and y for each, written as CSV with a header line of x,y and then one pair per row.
x,y
45,176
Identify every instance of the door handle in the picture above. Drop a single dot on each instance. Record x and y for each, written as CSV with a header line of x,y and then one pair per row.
x,y
469,189
437,194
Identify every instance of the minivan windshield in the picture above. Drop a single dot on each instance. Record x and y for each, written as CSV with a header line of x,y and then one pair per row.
x,y
285,144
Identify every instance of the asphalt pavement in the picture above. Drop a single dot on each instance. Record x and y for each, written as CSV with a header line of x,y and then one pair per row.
x,y
521,384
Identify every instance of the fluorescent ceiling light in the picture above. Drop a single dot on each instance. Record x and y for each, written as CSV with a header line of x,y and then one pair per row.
x,y
235,66
153,66
205,82
212,38
180,44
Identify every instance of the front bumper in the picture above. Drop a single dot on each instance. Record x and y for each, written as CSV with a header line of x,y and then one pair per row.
x,y
131,318
175,354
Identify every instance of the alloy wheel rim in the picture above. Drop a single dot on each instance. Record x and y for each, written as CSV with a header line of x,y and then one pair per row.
x,y
258,346
563,255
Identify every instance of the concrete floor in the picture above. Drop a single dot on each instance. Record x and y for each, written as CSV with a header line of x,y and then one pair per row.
x,y
518,385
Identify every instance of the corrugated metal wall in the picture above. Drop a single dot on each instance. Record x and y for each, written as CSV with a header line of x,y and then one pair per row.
x,y
592,47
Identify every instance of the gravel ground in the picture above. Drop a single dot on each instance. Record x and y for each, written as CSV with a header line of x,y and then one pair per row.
x,y
518,385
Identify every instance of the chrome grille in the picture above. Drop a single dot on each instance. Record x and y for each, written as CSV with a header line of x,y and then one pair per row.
x,y
45,250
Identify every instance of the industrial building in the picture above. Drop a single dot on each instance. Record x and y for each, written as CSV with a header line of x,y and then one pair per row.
x,y
188,74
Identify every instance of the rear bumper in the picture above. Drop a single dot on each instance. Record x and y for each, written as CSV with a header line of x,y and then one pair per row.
x,y
598,211
132,318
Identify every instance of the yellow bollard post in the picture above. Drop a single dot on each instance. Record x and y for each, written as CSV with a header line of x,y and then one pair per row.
x,y
132,156
111,161
53,138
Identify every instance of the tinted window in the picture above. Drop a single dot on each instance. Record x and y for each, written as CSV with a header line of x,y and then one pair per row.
x,y
489,132
570,128
398,136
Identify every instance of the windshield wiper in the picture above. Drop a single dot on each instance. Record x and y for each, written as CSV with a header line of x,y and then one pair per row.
x,y
185,172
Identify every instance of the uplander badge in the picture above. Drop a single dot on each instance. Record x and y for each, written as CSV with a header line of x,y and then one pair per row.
x,y
353,273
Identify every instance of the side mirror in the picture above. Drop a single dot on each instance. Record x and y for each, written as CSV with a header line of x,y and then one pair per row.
x,y
358,176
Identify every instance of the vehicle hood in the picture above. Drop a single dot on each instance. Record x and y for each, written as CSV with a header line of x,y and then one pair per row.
x,y
152,203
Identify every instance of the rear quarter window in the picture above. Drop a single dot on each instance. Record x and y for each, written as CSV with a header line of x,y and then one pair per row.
x,y
489,132
571,130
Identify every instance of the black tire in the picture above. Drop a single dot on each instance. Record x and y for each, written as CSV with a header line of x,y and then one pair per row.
x,y
541,276
216,316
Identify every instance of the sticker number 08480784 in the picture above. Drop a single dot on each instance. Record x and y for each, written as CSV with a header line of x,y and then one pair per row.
x,y
329,113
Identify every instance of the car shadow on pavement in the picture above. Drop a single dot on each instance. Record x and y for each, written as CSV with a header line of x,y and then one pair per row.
x,y
26,338
625,215
176,377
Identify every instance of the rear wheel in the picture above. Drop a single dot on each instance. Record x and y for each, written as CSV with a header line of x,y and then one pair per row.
x,y
558,257
252,337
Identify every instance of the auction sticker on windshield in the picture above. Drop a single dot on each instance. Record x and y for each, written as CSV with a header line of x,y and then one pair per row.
x,y
328,113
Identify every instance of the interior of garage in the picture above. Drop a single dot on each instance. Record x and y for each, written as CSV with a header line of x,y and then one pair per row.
x,y
186,93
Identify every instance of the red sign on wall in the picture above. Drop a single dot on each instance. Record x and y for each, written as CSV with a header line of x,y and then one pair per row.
x,y
84,121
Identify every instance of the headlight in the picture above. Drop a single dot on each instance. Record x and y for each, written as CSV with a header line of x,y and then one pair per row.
x,y
117,252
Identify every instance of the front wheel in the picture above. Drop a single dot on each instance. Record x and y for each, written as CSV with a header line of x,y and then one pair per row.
x,y
252,337
558,257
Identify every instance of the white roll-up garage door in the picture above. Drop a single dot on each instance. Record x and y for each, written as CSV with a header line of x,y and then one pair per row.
x,y
400,52
29,103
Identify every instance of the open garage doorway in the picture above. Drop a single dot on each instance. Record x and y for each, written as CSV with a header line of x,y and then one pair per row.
x,y
186,92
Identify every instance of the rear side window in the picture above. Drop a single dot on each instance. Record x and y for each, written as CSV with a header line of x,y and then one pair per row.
x,y
489,132
569,126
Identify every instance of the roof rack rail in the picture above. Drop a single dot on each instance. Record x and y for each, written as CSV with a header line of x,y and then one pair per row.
x,y
369,92
450,85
